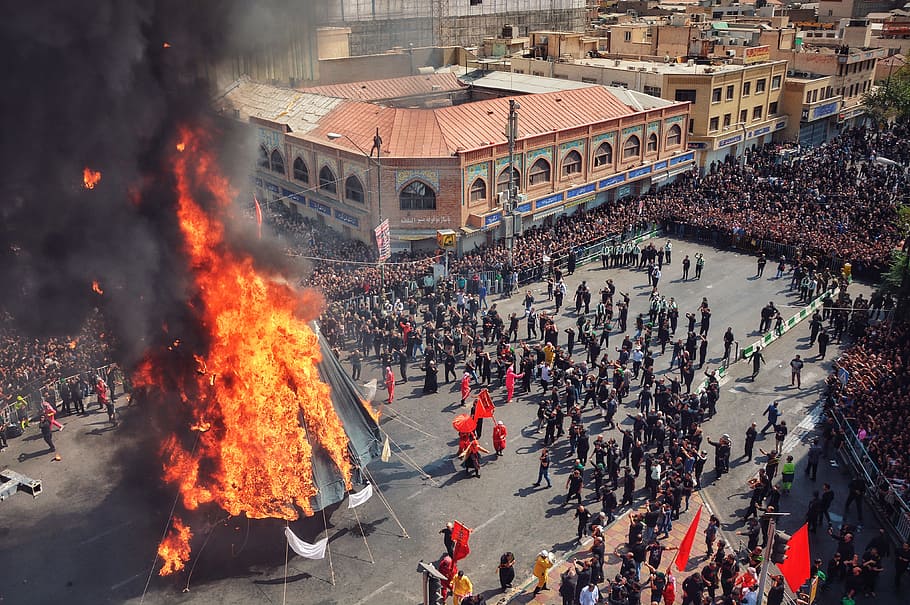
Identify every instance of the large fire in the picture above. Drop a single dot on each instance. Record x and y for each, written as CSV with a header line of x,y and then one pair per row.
x,y
255,398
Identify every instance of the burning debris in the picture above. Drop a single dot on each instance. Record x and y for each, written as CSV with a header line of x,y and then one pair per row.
x,y
90,178
174,550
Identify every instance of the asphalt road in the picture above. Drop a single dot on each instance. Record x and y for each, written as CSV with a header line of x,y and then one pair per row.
x,y
91,536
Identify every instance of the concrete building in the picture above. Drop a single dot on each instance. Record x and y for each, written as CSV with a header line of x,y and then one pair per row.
x,y
444,167
734,105
379,25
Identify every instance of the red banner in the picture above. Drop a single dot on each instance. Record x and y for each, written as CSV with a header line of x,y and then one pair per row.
x,y
685,547
483,407
461,535
796,568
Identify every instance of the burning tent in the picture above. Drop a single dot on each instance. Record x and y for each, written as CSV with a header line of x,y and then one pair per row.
x,y
258,416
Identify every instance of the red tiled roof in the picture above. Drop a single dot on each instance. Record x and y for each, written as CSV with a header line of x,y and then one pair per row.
x,y
391,88
446,131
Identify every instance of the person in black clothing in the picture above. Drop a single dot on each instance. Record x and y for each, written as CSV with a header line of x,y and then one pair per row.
x,y
582,515
857,490
506,570
776,592
901,563
447,538
749,443
573,486
45,425
693,587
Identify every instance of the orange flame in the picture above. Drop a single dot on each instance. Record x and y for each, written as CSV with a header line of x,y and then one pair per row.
x,y
90,178
166,45
72,344
266,358
174,550
97,288
181,146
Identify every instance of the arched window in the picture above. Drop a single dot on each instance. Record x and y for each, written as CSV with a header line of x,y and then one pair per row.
x,y
539,173
571,164
604,155
300,171
417,196
674,136
631,148
502,182
652,142
353,190
327,180
277,162
263,161
478,190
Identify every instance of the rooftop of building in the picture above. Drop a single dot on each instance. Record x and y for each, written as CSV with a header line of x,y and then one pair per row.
x,y
391,88
664,67
439,132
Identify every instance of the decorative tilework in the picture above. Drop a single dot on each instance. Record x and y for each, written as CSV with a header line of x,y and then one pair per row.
x,y
631,130
545,152
430,177
674,120
477,170
357,170
501,163
653,127
579,145
269,138
605,137
331,162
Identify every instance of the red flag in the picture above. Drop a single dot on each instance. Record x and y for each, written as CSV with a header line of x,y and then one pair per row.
x,y
258,215
685,547
461,535
796,568
483,407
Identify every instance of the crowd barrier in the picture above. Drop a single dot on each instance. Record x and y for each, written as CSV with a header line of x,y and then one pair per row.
x,y
886,497
788,325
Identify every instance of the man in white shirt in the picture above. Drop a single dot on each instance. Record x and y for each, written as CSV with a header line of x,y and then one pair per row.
x,y
590,595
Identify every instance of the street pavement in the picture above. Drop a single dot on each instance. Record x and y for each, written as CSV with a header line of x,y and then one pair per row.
x,y
91,536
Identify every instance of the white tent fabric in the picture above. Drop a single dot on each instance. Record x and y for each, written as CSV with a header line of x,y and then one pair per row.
x,y
358,498
305,549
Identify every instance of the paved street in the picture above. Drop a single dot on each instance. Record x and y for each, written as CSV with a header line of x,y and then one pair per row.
x,y
91,535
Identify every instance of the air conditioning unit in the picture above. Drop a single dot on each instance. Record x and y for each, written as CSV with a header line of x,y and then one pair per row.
x,y
731,52
502,197
617,63
690,63
642,69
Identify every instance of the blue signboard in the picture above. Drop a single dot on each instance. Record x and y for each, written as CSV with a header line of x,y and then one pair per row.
x,y
681,158
634,174
291,195
761,131
610,181
347,218
548,201
579,191
271,187
780,125
730,140
624,191
825,110
320,207
526,207
492,219
660,165
697,145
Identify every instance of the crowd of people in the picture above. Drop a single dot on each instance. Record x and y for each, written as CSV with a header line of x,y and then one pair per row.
x,y
833,201
871,395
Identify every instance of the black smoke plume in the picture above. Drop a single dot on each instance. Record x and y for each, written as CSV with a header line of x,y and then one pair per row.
x,y
106,84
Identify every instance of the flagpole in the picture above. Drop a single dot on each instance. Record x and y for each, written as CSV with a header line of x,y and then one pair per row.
x,y
767,561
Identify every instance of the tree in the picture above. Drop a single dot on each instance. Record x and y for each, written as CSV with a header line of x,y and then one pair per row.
x,y
896,281
890,102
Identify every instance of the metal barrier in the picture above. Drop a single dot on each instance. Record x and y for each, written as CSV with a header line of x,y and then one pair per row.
x,y
788,325
895,511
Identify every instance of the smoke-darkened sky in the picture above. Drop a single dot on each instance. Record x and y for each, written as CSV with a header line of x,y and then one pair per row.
x,y
91,84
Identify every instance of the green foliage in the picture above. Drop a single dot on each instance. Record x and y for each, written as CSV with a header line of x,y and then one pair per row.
x,y
891,101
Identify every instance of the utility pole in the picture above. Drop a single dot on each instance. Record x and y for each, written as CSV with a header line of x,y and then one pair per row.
x,y
770,554
508,209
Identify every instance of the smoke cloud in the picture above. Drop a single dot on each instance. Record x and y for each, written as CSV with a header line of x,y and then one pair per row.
x,y
106,85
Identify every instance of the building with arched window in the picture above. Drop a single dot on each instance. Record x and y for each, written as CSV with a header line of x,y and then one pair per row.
x,y
447,165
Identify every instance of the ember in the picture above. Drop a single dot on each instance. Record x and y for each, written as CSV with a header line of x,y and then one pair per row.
x,y
97,288
90,178
250,450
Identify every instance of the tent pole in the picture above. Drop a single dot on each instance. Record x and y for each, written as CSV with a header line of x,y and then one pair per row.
x,y
362,533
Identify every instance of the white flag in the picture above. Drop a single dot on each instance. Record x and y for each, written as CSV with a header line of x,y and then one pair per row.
x,y
358,498
386,451
305,549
